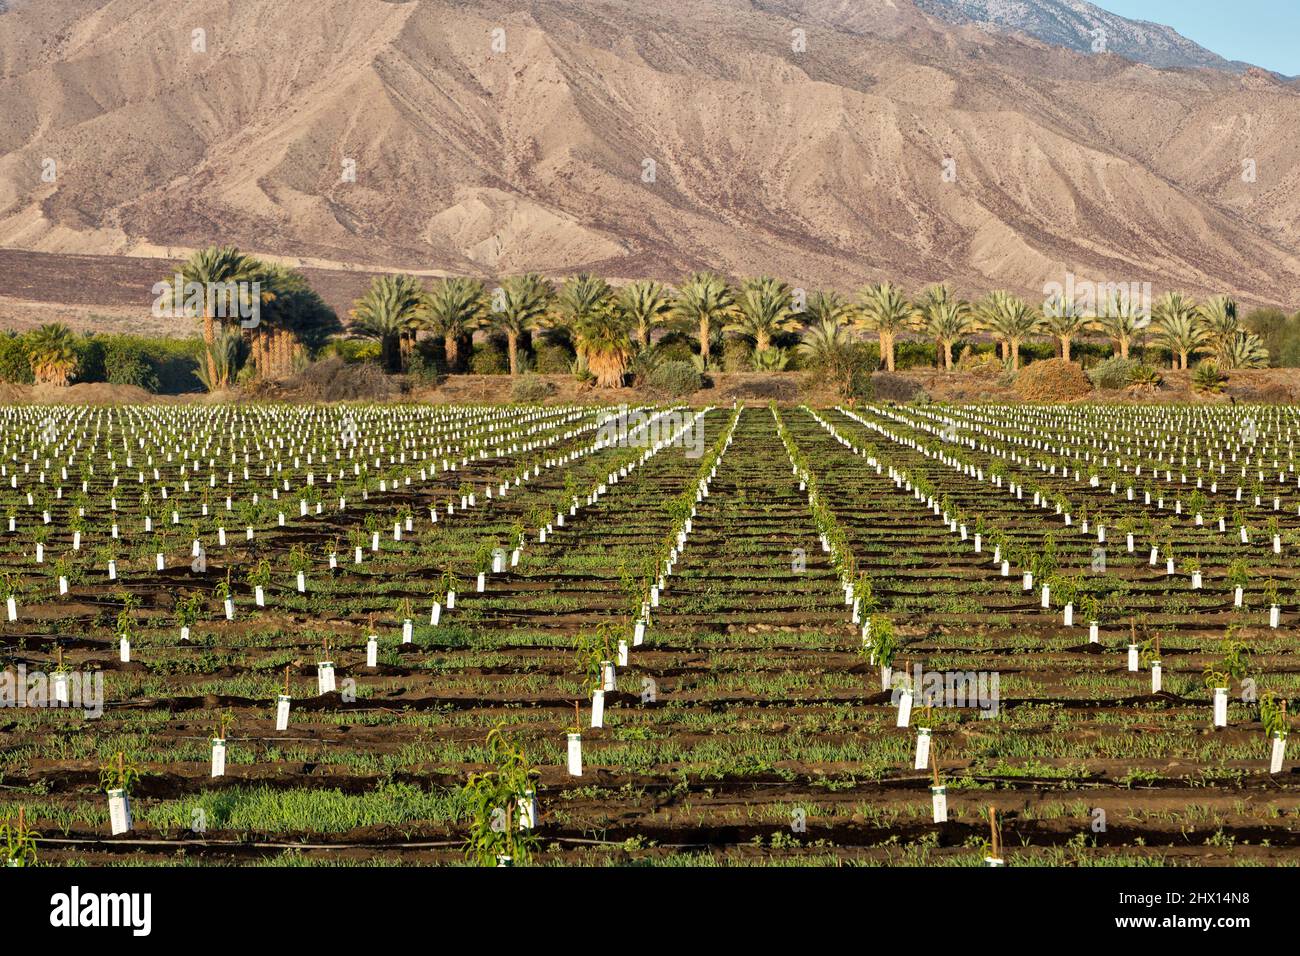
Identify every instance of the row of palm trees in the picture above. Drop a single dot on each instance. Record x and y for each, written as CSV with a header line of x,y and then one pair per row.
x,y
1175,323
610,325
291,316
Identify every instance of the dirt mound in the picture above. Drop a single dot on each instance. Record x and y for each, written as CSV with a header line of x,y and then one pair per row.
x,y
92,393
330,380
893,387
756,387
1052,380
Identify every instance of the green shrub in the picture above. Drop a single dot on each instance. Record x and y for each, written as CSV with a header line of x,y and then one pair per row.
x,y
15,363
847,368
771,360
176,363
676,379
1114,372
552,359
352,350
1146,375
911,353
125,362
982,362
531,389
1208,377
1280,334
643,365
92,354
425,368
489,359
674,347
737,356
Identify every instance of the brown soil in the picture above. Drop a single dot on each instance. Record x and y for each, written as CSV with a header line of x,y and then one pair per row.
x,y
1264,386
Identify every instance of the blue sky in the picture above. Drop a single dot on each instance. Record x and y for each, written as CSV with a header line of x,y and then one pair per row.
x,y
1263,32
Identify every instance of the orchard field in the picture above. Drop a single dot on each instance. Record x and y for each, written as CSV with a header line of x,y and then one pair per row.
x,y
889,635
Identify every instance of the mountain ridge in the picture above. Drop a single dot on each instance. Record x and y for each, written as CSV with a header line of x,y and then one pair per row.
x,y
826,166
1074,24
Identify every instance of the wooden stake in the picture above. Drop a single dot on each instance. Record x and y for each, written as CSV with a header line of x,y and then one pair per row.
x,y
993,832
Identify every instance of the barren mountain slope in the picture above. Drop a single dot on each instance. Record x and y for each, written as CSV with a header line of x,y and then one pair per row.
x,y
825,165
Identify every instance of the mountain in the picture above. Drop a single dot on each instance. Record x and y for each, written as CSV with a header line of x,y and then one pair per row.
x,y
639,139
1082,26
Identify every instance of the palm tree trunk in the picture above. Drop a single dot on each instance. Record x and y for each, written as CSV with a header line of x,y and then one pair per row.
x,y
1123,347
704,341
762,341
1065,347
947,356
512,343
1014,346
450,348
209,339
887,350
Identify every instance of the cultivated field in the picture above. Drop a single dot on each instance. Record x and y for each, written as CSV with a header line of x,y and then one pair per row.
x,y
724,584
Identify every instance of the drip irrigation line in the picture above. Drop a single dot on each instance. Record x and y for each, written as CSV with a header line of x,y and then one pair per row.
x,y
421,845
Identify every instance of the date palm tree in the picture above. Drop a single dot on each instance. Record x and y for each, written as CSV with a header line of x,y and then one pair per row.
x,y
522,307
211,269
1065,321
885,310
827,305
580,297
1243,350
704,303
928,306
1010,320
1178,327
764,309
393,306
646,306
822,342
456,307
1123,318
293,319
949,322
1218,318
224,353
52,351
